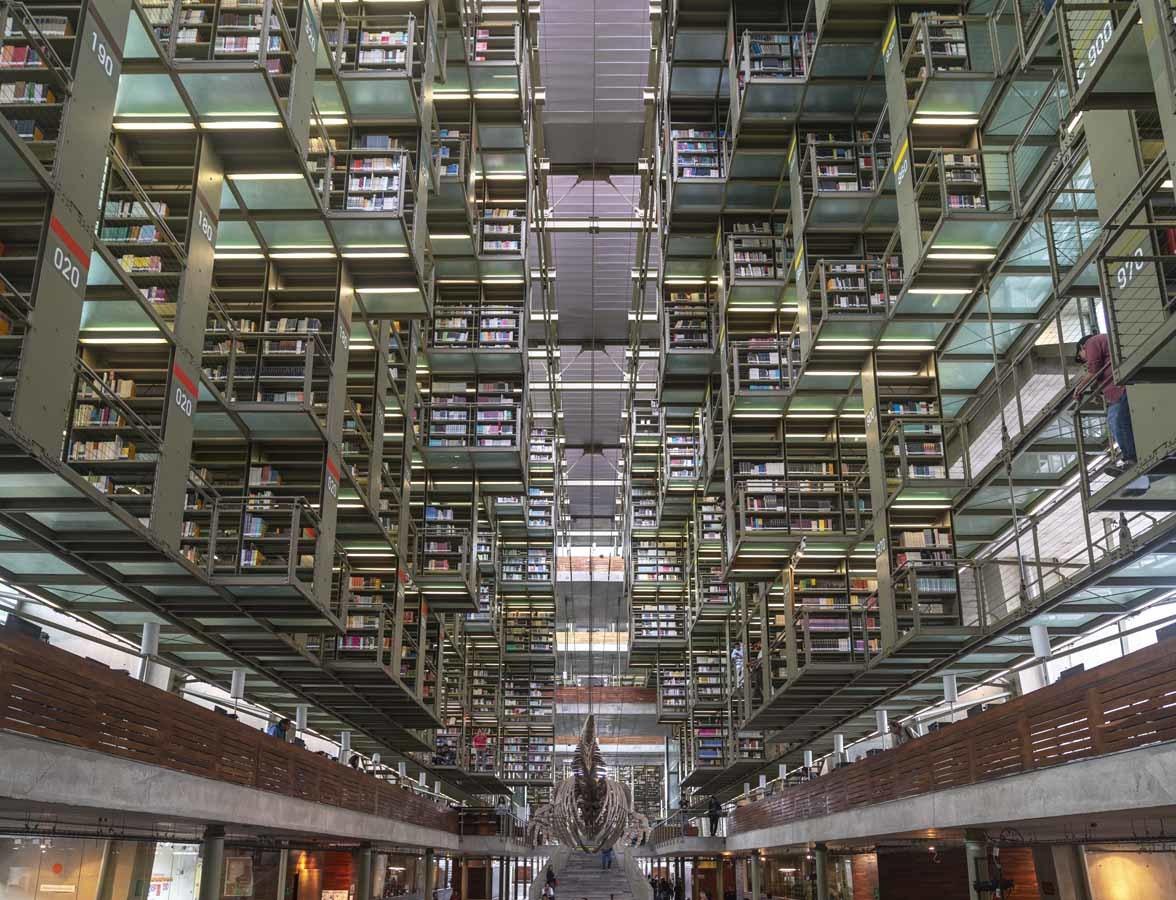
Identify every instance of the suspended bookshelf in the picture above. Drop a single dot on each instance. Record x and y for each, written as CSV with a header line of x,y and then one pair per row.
x,y
777,54
671,691
697,152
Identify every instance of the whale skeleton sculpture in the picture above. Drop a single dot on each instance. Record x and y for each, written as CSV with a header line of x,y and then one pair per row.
x,y
589,810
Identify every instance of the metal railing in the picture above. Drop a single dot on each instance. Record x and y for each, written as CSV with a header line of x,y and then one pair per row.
x,y
770,53
283,367
757,257
476,326
798,505
766,365
957,182
853,287
260,534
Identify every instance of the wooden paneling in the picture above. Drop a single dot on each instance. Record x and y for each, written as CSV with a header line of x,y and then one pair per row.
x,y
50,694
919,875
605,695
1016,864
864,870
1127,703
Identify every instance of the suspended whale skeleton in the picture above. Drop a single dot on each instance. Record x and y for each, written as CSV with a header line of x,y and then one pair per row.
x,y
589,810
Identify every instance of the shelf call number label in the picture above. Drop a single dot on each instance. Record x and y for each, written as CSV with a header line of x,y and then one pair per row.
x,y
205,224
185,390
66,258
332,478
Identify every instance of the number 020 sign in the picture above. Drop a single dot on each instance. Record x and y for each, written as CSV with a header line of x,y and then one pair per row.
x,y
66,257
184,395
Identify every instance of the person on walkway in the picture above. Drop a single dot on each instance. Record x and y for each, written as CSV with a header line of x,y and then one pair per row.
x,y
279,729
481,750
714,811
552,881
737,662
1095,351
502,808
355,762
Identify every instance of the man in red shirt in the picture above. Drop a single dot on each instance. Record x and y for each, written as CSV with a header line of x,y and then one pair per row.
x,y
1095,351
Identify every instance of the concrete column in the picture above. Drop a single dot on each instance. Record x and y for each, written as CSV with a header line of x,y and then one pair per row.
x,y
720,891
283,866
363,872
951,689
977,860
838,749
821,861
429,886
300,713
344,747
882,722
148,647
212,862
754,865
1039,637
237,685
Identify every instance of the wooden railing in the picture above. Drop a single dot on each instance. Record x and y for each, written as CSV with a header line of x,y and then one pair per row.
x,y
1122,705
48,693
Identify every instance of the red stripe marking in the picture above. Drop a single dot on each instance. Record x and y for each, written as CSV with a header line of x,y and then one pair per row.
x,y
83,258
332,468
182,378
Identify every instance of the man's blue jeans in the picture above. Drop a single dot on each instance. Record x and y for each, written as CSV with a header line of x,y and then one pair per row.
x,y
1119,421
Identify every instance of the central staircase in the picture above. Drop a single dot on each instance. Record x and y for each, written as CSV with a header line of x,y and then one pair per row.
x,y
581,878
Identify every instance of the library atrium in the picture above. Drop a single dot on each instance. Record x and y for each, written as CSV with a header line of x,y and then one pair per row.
x,y
621,449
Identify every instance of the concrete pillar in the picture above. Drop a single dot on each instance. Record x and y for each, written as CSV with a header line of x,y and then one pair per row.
x,y
808,762
283,867
148,647
951,689
300,713
882,723
977,860
755,877
344,747
212,861
821,861
720,891
1039,636
838,749
363,872
429,886
237,685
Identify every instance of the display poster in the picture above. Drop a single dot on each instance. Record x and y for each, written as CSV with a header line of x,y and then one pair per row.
x,y
238,876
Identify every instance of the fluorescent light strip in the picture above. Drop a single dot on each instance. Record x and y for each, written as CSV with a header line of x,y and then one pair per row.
x,y
264,176
242,125
154,126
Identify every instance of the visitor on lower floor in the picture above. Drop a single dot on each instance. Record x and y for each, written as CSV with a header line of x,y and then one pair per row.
x,y
1095,351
